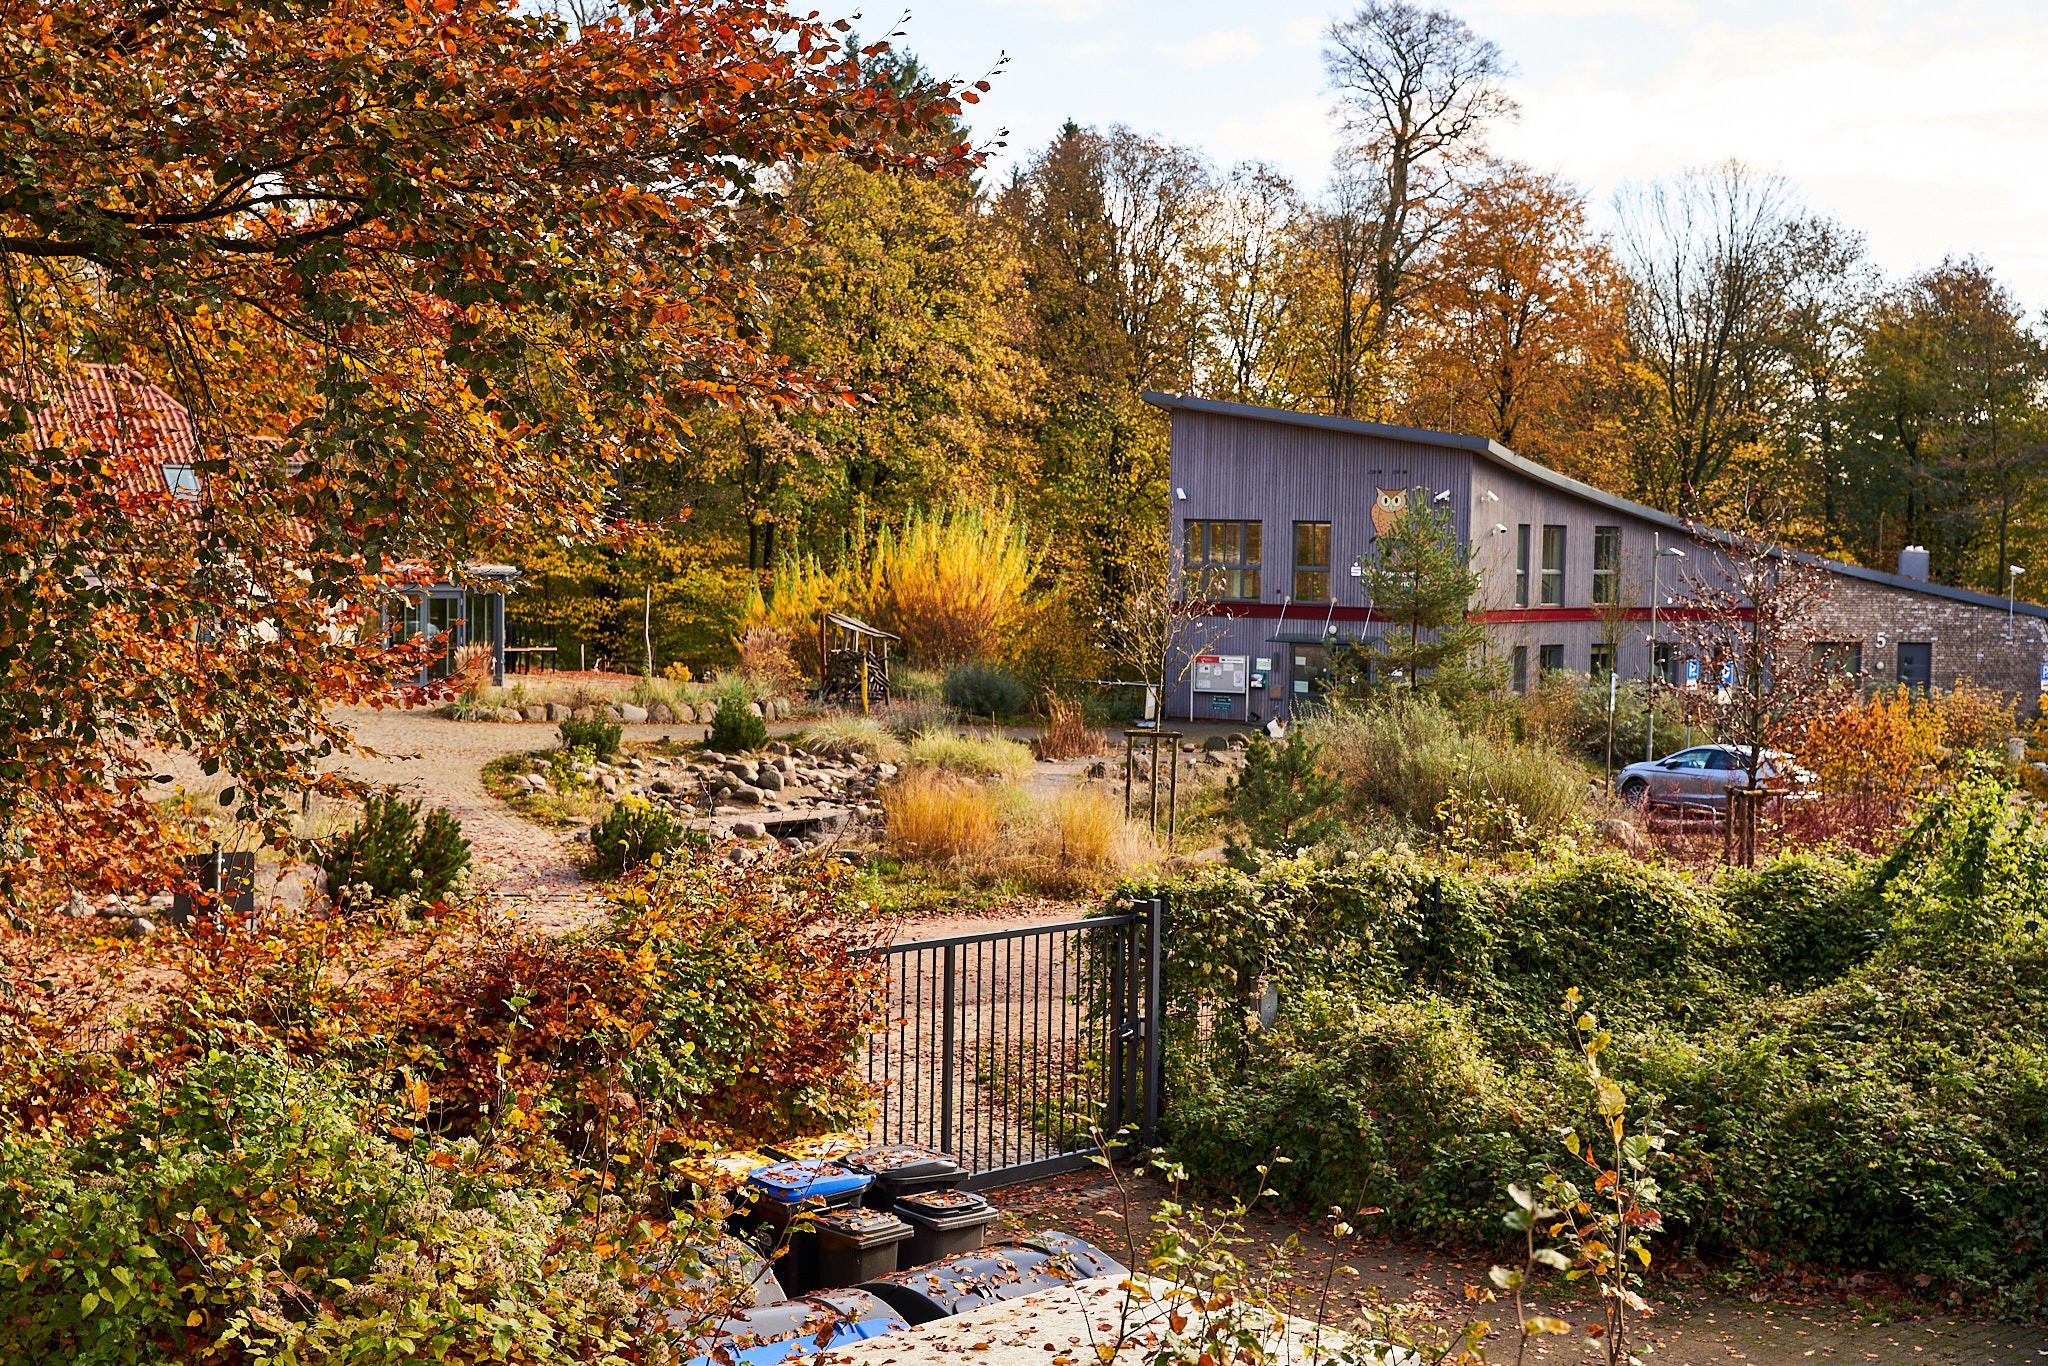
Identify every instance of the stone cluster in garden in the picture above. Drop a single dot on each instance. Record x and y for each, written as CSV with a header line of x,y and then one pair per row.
x,y
136,910
660,714
804,800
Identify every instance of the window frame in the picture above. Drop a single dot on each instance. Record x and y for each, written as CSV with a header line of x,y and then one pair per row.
x,y
1545,654
1208,570
1838,658
1518,669
1600,660
1522,565
1552,583
1606,566
1309,569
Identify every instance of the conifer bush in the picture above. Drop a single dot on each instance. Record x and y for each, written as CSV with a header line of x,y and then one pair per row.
x,y
391,853
631,834
601,738
736,729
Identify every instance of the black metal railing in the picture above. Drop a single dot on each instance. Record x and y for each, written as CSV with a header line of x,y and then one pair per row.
x,y
1012,1049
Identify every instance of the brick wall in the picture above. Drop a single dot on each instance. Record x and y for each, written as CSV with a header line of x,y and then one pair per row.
x,y
1969,642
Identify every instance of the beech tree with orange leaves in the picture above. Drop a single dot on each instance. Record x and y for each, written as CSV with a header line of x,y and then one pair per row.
x,y
423,273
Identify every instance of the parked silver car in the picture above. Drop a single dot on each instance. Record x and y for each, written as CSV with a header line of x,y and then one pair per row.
x,y
1702,775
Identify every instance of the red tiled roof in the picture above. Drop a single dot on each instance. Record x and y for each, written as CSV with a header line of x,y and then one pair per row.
x,y
115,409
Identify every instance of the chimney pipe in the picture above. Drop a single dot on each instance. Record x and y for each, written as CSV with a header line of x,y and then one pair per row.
x,y
1913,563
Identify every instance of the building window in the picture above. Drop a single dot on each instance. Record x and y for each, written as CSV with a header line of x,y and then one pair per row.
x,y
1518,668
1522,565
1553,566
183,481
1606,565
1843,659
1311,561
1600,662
1662,661
1549,658
1223,560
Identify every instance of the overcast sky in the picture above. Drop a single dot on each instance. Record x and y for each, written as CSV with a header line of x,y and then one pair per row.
x,y
1924,125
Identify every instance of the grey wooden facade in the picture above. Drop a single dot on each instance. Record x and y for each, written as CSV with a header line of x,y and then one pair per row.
x,y
1235,463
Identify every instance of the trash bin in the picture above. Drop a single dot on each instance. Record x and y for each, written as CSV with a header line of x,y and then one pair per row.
x,y
1007,1271
795,1329
735,1274
902,1169
855,1245
943,1224
226,885
786,1192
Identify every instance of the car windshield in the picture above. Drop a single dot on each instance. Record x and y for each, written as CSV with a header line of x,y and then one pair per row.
x,y
1689,758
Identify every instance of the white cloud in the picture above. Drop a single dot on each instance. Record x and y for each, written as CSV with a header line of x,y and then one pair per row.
x,y
1214,48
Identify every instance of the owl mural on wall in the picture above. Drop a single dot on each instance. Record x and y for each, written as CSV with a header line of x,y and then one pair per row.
x,y
1387,507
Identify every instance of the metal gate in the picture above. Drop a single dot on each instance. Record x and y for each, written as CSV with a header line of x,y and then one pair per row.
x,y
1011,1050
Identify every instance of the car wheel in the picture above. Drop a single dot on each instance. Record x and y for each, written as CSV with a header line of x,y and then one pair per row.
x,y
1636,793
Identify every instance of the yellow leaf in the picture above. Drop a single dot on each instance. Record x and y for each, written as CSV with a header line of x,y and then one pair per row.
x,y
639,1034
194,1319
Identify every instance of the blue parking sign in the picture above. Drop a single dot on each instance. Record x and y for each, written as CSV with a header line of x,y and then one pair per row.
x,y
1692,673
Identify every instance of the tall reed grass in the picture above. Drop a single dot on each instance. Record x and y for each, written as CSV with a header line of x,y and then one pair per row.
x,y
977,756
938,818
1407,756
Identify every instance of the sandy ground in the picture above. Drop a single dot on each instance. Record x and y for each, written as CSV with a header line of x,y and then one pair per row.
x,y
1692,1325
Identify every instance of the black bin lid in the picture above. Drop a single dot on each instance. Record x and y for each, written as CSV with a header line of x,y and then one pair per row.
x,y
823,1320
863,1227
942,1204
902,1162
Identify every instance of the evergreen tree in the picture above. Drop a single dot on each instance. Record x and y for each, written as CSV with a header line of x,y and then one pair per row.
x,y
1282,799
1421,584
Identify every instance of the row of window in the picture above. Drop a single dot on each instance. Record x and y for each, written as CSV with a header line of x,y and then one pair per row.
x,y
1838,657
1550,588
1224,560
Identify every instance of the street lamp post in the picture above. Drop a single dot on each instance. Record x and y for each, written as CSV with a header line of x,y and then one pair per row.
x,y
1658,554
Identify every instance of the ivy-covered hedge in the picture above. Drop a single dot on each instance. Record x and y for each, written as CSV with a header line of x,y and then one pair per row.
x,y
1852,1054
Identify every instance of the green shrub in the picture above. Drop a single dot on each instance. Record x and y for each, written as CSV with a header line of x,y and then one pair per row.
x,y
1805,918
631,834
1395,1104
916,685
839,736
389,853
264,1206
1280,799
984,690
736,729
1406,755
601,738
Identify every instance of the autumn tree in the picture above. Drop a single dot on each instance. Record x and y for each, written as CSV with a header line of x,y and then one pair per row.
x,y
1705,257
1519,334
1417,91
422,277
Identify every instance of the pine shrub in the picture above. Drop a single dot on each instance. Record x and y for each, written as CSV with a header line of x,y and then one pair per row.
x,y
984,690
601,738
390,853
630,835
737,728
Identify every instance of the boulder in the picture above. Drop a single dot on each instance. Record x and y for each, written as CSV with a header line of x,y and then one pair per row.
x,y
631,714
662,714
749,830
613,714
743,769
1240,741
746,796
511,714
885,771
1098,769
706,714
1624,836
140,928
582,714
753,709
666,787
772,779
1216,744
781,749
555,711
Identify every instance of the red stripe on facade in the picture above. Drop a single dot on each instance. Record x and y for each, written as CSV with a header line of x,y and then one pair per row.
x,y
1305,612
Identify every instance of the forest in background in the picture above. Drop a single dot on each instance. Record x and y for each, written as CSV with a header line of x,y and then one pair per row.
x,y
1721,351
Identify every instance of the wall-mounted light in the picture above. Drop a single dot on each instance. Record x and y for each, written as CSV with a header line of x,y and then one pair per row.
x,y
1500,528
1181,494
1442,496
1489,497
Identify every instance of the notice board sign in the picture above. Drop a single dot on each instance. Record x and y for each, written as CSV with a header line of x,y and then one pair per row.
x,y
1222,673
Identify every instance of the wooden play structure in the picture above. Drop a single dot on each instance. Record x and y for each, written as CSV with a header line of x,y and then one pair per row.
x,y
853,661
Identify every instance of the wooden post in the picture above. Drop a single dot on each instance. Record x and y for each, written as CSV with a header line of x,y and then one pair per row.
x,y
1130,762
1173,798
1152,808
